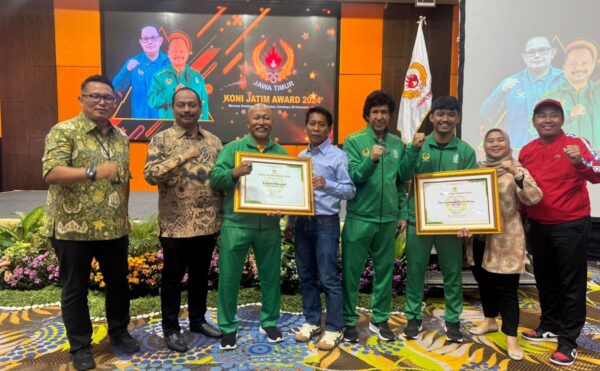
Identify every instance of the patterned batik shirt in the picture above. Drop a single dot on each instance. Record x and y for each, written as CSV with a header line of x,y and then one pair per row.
x,y
90,210
187,205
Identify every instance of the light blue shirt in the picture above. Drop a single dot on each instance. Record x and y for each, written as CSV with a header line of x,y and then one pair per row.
x,y
331,163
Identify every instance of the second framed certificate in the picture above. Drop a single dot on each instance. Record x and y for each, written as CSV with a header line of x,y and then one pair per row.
x,y
276,183
446,202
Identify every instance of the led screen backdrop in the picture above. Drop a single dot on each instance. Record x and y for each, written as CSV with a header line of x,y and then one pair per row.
x,y
518,52
233,55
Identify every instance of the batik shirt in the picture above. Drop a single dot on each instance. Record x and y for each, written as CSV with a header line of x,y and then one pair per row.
x,y
187,205
90,210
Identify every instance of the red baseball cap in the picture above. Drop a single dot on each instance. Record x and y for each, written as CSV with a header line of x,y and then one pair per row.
x,y
548,102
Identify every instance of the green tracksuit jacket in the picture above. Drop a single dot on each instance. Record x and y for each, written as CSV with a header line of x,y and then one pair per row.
x,y
240,232
457,155
372,216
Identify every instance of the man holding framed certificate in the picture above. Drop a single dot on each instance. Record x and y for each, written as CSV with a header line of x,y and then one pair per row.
x,y
377,164
242,230
442,151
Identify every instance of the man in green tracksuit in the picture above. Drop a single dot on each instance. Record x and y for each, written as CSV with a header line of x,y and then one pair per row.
x,y
442,151
378,163
242,231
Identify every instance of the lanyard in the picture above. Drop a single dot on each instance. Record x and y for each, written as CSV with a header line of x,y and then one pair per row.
x,y
105,149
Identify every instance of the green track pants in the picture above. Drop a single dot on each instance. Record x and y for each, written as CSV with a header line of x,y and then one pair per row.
x,y
358,238
450,256
235,243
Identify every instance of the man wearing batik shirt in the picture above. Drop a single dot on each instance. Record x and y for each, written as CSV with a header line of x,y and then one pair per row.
x,y
86,164
180,161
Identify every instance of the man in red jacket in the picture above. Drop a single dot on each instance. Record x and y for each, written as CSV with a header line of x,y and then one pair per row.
x,y
560,226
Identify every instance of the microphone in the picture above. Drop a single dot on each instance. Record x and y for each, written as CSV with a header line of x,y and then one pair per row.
x,y
382,143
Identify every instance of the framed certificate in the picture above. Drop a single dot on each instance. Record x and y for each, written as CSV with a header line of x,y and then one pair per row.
x,y
276,183
446,202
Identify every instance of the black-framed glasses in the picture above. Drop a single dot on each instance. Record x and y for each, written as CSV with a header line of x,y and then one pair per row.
x,y
95,98
151,39
538,51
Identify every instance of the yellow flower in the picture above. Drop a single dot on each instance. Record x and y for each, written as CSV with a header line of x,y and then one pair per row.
x,y
98,196
98,224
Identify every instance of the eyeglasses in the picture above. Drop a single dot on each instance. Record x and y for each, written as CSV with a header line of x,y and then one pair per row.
x,y
95,98
539,51
151,39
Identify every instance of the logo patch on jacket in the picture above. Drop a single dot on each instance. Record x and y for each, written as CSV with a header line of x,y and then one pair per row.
x,y
425,156
395,153
365,152
169,81
455,158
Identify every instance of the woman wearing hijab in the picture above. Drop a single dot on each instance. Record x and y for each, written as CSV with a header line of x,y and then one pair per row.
x,y
499,262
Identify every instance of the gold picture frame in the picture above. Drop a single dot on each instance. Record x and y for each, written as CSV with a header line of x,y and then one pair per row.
x,y
277,183
448,201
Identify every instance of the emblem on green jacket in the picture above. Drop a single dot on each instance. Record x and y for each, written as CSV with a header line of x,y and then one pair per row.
x,y
366,152
455,158
425,156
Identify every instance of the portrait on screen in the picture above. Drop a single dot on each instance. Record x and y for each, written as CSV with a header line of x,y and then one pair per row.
x,y
232,54
547,49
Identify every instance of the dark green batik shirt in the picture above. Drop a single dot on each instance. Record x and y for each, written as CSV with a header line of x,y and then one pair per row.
x,y
86,211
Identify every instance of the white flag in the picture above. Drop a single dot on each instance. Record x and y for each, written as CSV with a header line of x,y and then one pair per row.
x,y
416,94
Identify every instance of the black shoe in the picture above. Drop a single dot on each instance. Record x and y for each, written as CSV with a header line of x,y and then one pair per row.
x,y
539,335
383,331
412,329
205,329
453,333
564,356
351,334
274,335
228,341
176,343
126,343
83,359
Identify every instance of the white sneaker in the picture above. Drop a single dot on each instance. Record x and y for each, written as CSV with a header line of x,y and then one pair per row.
x,y
330,340
307,331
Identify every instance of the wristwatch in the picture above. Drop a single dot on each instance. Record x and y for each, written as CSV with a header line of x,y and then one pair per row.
x,y
90,173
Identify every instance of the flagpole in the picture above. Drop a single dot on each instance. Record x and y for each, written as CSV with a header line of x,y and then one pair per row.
x,y
416,88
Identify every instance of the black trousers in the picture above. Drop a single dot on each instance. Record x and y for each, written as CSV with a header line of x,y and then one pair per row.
x,y
75,258
560,269
193,254
498,292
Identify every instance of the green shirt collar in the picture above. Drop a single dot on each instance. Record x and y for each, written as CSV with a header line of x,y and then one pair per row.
x,y
88,125
373,134
430,140
250,143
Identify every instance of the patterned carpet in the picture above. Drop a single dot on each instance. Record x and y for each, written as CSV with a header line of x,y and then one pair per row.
x,y
35,339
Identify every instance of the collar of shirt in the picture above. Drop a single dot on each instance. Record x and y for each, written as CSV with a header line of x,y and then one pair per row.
x,y
180,132
370,130
322,148
88,125
252,144
430,141
557,137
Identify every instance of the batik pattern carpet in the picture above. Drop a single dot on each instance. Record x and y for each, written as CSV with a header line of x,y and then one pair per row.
x,y
35,339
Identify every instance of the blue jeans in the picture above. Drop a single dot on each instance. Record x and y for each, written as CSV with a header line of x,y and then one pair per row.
x,y
317,246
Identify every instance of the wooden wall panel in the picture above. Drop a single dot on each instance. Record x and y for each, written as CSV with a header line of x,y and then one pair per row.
x,y
27,91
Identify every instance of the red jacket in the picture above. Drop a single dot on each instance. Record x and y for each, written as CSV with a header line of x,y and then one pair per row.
x,y
566,196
